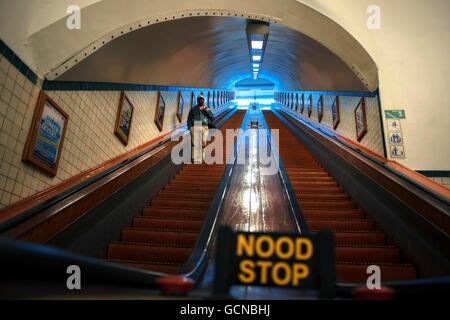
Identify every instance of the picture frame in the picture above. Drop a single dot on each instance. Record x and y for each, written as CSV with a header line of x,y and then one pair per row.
x,y
360,119
320,109
124,119
310,105
45,140
160,111
335,112
180,106
302,103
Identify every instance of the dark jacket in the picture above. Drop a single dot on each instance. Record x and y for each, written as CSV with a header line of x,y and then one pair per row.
x,y
206,117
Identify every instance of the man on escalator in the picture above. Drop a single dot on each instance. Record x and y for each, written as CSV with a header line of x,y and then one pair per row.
x,y
200,120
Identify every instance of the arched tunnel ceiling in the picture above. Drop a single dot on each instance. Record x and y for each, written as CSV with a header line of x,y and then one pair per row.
x,y
213,52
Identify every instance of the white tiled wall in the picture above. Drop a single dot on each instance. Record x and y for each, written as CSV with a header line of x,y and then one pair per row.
x,y
373,140
90,139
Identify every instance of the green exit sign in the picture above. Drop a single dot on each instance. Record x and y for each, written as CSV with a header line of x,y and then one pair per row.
x,y
395,114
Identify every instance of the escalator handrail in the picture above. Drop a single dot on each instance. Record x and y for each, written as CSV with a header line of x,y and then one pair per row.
x,y
16,220
296,209
44,262
407,179
199,258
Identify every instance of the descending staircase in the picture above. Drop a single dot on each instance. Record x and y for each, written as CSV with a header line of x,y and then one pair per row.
x,y
326,206
163,237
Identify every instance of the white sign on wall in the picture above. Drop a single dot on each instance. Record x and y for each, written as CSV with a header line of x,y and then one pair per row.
x,y
397,152
395,138
394,125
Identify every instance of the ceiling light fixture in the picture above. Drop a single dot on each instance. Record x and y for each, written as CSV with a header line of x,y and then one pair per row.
x,y
257,36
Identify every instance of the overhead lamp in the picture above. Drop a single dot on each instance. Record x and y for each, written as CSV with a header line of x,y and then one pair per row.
x,y
257,36
257,44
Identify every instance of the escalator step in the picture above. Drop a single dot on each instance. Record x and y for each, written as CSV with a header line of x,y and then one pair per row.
x,y
299,179
190,188
145,252
357,273
361,238
367,254
182,204
193,196
176,214
303,190
322,197
328,205
158,237
319,184
333,214
167,224
198,182
341,224
151,266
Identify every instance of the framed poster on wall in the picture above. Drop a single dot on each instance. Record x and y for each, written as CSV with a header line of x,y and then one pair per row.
x,y
310,105
124,119
160,111
335,111
180,106
46,136
320,108
360,119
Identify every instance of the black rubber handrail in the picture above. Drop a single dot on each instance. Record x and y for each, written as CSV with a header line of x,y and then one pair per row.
x,y
77,188
199,258
295,207
407,179
41,262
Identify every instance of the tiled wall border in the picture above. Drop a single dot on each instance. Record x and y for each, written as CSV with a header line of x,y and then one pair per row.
x,y
6,52
107,86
